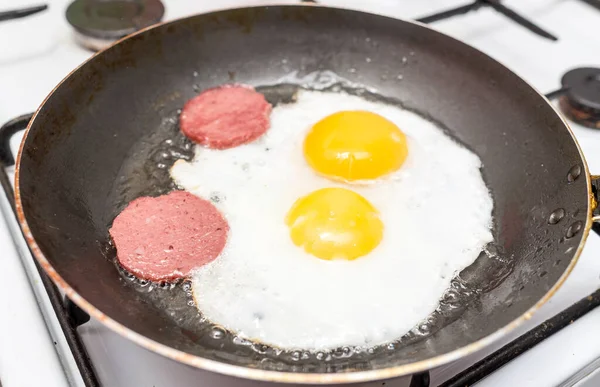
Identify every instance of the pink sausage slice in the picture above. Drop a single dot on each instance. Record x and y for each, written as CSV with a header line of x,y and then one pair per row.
x,y
226,116
164,238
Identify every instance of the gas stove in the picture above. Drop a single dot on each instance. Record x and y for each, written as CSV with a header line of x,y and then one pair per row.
x,y
552,45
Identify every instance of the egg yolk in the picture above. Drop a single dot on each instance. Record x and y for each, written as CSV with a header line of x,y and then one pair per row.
x,y
335,223
355,145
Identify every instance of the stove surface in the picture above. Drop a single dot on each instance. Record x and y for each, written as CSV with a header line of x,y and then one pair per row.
x,y
38,51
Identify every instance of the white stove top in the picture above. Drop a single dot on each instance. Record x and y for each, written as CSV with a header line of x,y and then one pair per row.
x,y
38,51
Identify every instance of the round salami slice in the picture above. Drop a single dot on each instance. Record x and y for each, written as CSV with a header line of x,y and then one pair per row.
x,y
225,117
163,238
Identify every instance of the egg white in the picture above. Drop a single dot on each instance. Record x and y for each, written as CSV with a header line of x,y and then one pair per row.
x,y
265,288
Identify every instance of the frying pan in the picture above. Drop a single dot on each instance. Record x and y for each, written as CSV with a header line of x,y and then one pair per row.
x,y
108,133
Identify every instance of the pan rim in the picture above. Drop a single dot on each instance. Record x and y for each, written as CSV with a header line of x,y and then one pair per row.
x,y
278,376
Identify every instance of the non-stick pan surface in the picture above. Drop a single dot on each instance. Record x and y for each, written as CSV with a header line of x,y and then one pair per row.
x,y
108,133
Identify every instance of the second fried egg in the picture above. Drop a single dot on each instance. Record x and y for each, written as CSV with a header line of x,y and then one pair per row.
x,y
265,287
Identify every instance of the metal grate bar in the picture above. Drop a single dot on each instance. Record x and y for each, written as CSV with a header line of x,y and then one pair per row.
x,y
69,316
496,5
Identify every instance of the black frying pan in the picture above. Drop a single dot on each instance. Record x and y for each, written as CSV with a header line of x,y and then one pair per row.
x,y
97,141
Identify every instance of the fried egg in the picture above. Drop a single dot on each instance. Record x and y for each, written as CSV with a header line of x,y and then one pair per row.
x,y
355,145
280,282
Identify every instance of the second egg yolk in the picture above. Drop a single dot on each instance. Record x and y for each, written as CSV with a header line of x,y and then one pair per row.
x,y
335,223
355,145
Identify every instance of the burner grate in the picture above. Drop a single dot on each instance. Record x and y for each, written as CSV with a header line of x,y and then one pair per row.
x,y
496,5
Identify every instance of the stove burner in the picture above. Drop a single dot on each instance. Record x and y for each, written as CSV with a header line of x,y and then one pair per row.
x,y
581,100
99,23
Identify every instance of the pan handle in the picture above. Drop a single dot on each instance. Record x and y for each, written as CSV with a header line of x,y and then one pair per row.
x,y
596,203
595,179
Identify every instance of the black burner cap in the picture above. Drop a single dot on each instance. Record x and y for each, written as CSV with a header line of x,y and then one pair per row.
x,y
581,101
109,20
